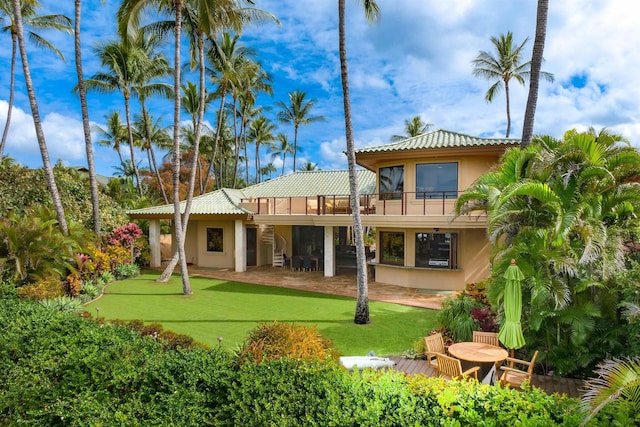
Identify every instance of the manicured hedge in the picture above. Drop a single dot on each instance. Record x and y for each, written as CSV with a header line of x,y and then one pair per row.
x,y
63,369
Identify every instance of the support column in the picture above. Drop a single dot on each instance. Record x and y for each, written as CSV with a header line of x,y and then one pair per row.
x,y
154,243
329,249
240,246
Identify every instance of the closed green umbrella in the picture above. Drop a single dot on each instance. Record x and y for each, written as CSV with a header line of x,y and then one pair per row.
x,y
510,334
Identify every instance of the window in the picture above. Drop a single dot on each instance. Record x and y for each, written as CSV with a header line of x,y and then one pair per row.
x,y
214,239
437,181
391,182
437,250
392,251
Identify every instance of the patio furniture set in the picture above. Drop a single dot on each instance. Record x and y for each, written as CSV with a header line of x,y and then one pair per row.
x,y
481,359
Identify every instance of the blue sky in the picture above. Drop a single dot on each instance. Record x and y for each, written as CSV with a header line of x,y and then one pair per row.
x,y
416,61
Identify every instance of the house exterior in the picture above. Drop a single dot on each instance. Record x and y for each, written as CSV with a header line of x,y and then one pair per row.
x,y
407,193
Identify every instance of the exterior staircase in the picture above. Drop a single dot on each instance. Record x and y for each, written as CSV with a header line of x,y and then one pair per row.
x,y
277,243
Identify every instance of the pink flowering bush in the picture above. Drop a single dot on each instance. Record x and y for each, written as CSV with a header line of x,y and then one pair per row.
x,y
126,236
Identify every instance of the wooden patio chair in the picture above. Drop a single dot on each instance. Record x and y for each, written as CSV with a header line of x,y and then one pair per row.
x,y
513,376
433,345
450,368
486,338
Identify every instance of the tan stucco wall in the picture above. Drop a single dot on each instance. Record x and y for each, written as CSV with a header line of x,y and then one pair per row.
x,y
197,242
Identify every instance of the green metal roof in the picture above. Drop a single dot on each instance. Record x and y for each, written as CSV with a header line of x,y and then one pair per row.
x,y
312,183
439,139
219,202
298,184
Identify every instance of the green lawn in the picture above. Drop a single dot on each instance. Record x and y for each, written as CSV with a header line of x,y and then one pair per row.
x,y
229,310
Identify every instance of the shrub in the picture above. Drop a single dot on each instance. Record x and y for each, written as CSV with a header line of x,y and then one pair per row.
x,y
270,341
124,271
106,277
42,289
62,304
456,316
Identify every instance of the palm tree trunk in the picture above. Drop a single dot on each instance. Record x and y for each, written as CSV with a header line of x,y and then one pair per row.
x,y
127,112
48,170
536,64
82,92
506,91
295,145
179,231
362,304
12,85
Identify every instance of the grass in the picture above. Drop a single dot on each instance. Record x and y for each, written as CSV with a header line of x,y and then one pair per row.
x,y
220,308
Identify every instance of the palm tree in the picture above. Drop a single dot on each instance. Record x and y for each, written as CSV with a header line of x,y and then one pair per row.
x,y
51,182
113,134
82,92
536,74
261,134
308,166
372,12
147,134
296,112
500,68
124,60
413,127
282,149
617,378
564,209
30,19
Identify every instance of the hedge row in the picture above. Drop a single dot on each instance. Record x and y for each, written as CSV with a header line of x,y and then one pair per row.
x,y
63,369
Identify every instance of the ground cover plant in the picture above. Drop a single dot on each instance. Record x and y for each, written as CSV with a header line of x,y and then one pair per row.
x,y
59,368
230,310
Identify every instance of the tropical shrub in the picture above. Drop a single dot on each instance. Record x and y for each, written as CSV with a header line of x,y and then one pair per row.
x,y
42,289
62,303
275,340
566,211
124,271
455,316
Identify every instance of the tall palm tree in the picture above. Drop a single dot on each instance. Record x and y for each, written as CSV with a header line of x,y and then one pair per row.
x,y
297,112
113,134
412,127
261,134
51,182
86,126
503,66
282,149
147,134
536,74
372,12
225,57
30,19
124,60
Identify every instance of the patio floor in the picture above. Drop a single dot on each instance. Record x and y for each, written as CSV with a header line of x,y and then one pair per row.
x,y
315,281
346,286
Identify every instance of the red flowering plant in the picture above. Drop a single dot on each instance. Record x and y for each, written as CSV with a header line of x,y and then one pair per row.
x,y
485,318
126,236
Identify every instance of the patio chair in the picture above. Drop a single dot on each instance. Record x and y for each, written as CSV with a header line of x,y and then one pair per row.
x,y
450,368
296,263
307,263
515,377
433,345
486,338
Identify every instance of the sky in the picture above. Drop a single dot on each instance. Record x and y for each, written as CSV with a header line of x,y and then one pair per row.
x,y
416,60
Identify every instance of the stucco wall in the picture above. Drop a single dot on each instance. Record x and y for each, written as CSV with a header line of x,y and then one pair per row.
x,y
198,244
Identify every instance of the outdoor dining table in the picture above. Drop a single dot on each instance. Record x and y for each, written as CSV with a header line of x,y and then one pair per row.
x,y
480,353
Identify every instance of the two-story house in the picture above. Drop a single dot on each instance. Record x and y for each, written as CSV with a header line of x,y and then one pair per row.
x,y
407,193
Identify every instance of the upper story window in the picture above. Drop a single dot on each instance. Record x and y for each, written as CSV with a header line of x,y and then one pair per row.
x,y
391,182
437,181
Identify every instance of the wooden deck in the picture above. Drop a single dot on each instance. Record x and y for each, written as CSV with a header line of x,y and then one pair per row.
x,y
570,387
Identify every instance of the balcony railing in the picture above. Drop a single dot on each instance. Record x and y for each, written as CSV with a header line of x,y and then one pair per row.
x,y
405,203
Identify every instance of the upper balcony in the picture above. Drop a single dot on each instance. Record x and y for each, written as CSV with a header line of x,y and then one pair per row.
x,y
379,204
